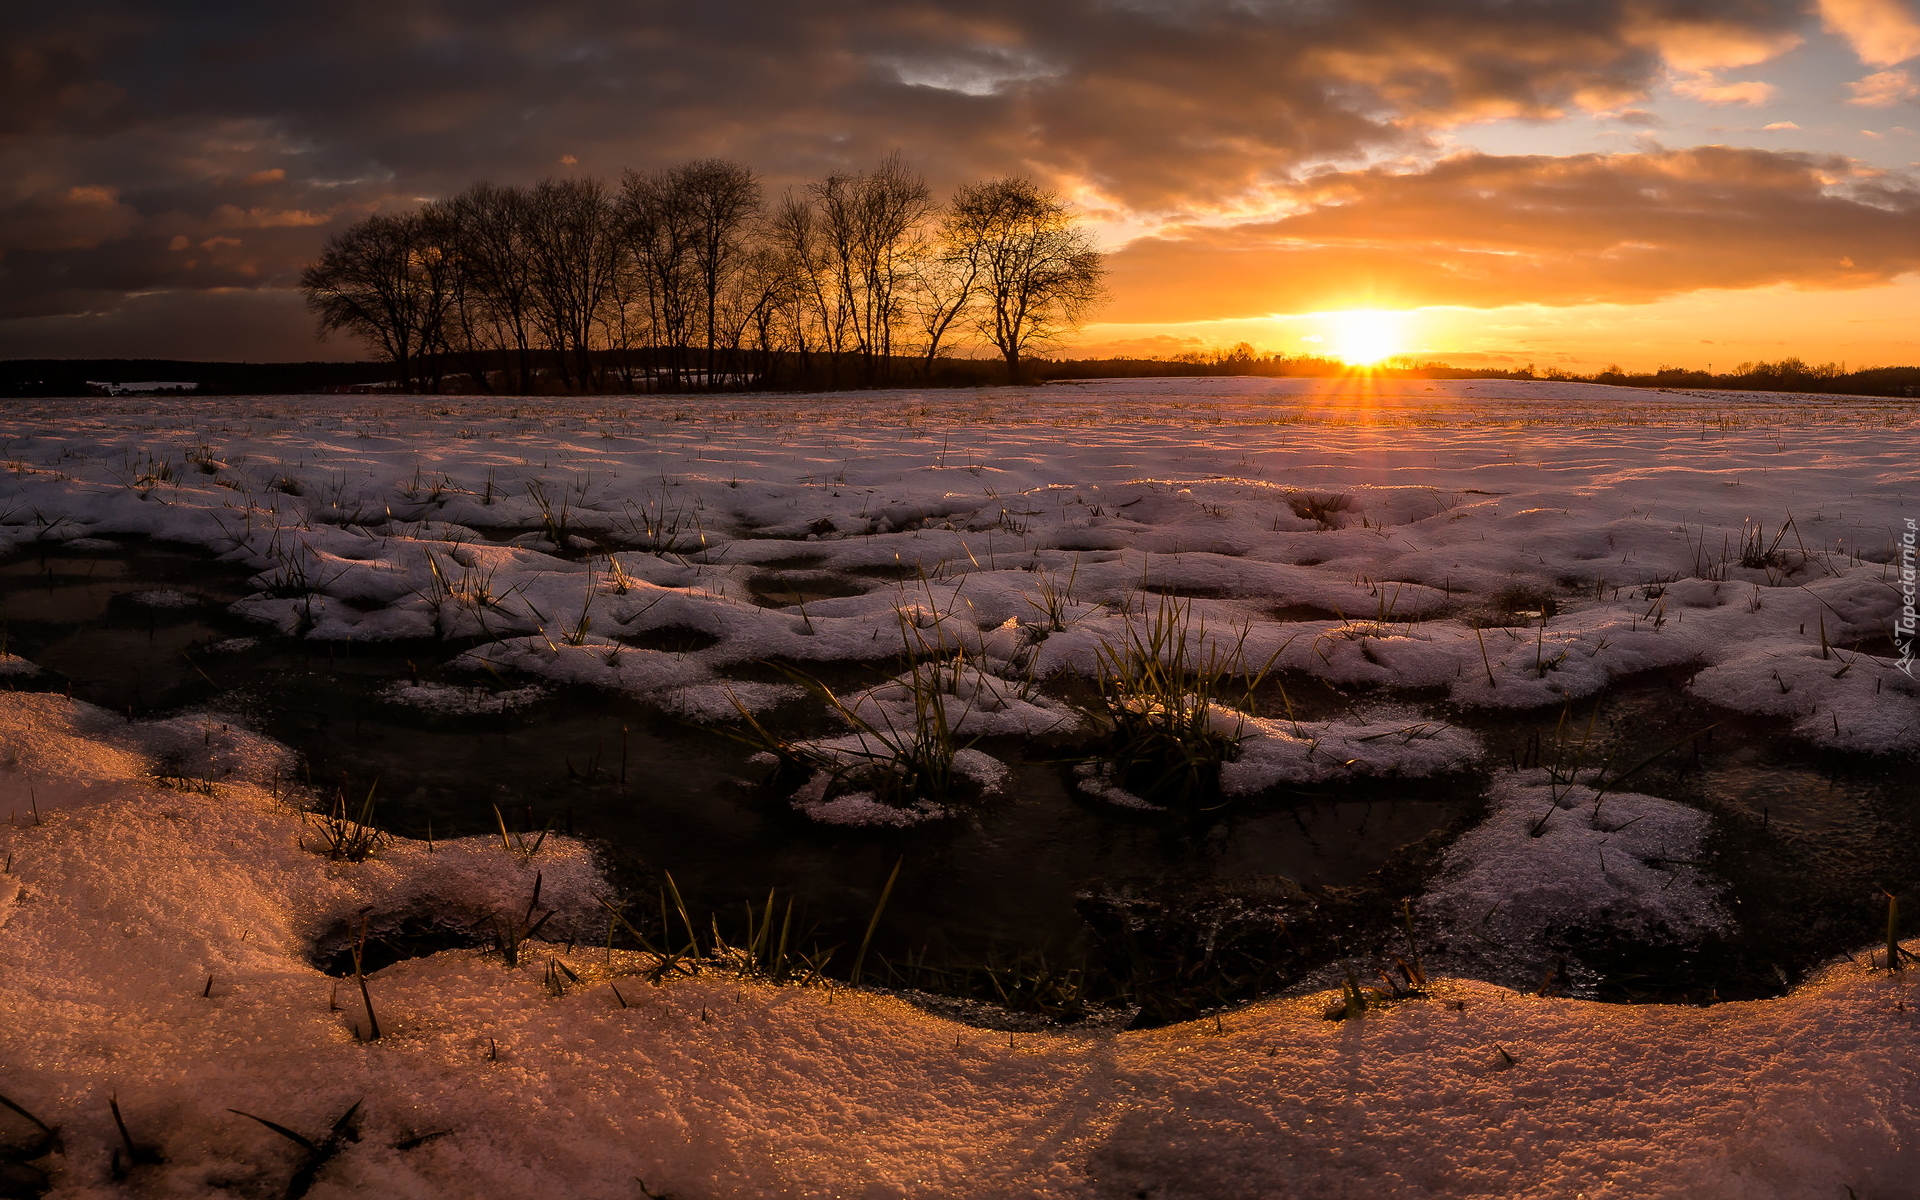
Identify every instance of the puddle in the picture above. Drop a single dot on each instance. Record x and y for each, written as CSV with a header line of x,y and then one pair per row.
x,y
81,617
792,562
390,940
1805,839
1010,876
1180,591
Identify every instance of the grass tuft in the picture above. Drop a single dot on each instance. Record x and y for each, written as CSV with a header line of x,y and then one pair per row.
x,y
1162,702
349,838
1322,510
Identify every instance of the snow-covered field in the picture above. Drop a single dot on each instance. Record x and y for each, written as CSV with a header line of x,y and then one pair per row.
x,y
1435,547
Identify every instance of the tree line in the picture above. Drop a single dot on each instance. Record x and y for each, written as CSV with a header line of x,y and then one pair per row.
x,y
689,278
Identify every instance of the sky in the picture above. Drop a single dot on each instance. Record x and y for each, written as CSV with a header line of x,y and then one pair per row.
x,y
1570,183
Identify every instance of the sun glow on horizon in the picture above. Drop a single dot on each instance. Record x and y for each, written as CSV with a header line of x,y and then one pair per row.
x,y
1366,337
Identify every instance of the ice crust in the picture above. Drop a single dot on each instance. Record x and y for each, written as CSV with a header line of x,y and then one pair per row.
x,y
156,940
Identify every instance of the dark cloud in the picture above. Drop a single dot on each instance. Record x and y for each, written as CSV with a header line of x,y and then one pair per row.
x,y
181,114
212,325
1480,230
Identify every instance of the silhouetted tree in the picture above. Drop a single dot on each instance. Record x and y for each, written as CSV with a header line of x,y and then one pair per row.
x,y
721,199
574,252
494,301
1038,272
658,227
868,222
385,281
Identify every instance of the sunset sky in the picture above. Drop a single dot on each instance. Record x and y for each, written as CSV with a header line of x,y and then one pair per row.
x,y
1563,182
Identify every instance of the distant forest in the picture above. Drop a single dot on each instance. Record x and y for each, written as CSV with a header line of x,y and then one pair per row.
x,y
71,377
1786,375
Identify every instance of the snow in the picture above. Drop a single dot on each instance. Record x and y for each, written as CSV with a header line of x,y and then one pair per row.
x,y
156,943
1555,856
1515,544
1500,545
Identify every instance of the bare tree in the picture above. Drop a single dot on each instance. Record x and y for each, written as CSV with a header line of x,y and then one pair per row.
x,y
1038,273
815,315
868,221
384,281
659,230
574,253
680,277
942,289
493,307
721,199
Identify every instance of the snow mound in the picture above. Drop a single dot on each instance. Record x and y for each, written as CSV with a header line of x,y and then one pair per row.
x,y
859,757
1553,859
1382,741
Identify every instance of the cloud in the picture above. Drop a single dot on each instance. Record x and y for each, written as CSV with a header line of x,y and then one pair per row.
x,y
1884,89
1483,231
1882,32
269,125
1703,40
206,324
1707,89
74,218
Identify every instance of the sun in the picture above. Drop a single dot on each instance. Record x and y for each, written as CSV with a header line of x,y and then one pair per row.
x,y
1364,337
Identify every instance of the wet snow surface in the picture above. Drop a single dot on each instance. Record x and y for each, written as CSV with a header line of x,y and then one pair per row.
x,y
1599,680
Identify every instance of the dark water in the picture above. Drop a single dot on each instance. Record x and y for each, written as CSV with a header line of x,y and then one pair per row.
x,y
1008,875
1806,839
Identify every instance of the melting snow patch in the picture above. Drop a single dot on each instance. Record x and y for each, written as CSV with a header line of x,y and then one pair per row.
x,y
447,700
14,665
1553,859
862,756
708,703
861,808
165,598
1096,780
974,702
1389,741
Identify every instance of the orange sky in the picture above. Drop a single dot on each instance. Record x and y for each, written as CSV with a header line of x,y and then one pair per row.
x,y
1716,329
